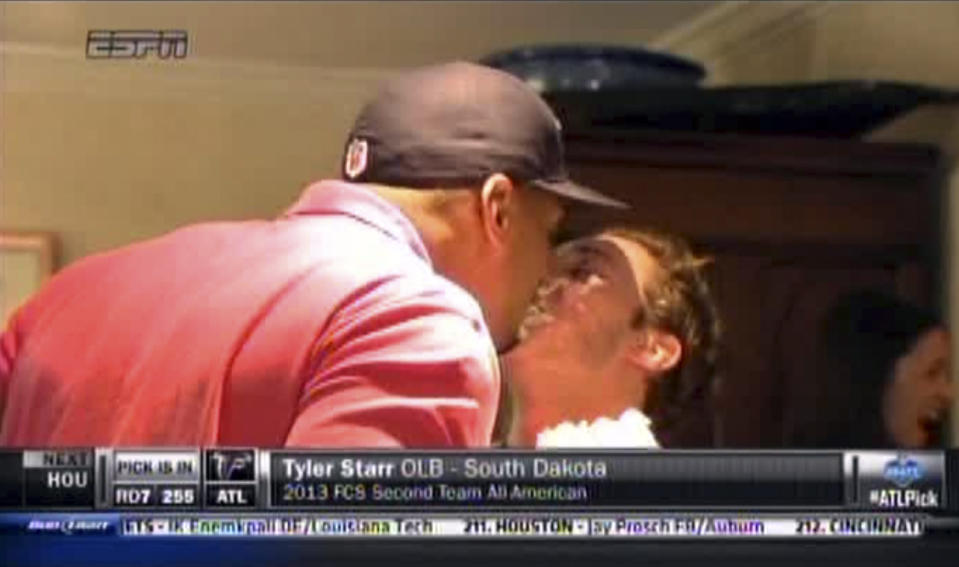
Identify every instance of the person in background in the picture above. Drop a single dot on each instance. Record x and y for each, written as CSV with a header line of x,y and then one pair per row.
x,y
366,316
886,364
624,328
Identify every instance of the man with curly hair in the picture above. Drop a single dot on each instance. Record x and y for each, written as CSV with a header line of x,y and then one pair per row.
x,y
623,327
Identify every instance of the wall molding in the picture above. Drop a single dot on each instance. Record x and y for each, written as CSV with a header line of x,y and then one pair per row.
x,y
731,27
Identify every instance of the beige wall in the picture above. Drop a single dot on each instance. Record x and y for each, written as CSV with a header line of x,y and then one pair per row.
x,y
105,153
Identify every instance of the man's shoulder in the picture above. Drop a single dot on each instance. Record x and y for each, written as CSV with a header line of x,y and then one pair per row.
x,y
458,297
364,258
400,281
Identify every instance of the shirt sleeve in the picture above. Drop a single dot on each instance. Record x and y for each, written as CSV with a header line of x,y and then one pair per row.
x,y
405,362
8,354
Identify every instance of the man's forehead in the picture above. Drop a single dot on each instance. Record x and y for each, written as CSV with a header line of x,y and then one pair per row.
x,y
589,246
616,250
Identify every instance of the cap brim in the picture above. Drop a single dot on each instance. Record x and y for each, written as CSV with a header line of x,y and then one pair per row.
x,y
580,193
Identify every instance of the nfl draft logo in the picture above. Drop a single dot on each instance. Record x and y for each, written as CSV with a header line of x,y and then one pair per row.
x,y
356,158
902,471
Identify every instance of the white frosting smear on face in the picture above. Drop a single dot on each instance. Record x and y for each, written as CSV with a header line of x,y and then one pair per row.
x,y
630,430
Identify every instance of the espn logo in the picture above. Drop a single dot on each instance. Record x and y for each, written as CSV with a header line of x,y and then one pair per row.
x,y
136,44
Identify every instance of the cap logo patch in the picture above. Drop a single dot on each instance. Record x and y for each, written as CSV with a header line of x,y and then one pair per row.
x,y
357,154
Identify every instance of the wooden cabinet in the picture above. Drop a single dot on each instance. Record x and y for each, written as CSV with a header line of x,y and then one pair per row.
x,y
791,224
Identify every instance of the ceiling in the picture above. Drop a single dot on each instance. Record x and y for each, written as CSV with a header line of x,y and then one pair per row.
x,y
383,34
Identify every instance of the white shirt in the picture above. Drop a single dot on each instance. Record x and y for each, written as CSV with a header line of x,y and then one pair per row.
x,y
631,430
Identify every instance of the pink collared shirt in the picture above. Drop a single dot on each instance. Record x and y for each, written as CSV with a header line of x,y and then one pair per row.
x,y
327,327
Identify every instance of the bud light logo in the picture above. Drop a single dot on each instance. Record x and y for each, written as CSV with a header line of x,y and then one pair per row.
x,y
902,471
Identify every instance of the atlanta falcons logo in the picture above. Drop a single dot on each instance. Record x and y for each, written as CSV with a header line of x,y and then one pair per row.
x,y
356,158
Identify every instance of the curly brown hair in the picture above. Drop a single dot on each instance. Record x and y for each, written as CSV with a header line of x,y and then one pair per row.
x,y
679,301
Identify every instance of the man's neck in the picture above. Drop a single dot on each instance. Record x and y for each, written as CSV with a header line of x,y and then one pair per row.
x,y
434,233
531,402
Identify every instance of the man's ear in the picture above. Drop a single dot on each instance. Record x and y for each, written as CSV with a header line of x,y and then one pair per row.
x,y
498,201
657,351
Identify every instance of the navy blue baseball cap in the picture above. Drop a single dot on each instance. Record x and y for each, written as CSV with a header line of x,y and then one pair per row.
x,y
456,124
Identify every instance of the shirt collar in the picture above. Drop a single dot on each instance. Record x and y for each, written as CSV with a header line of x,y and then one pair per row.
x,y
632,429
331,197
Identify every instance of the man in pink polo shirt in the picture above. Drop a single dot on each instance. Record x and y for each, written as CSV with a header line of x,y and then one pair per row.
x,y
368,315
